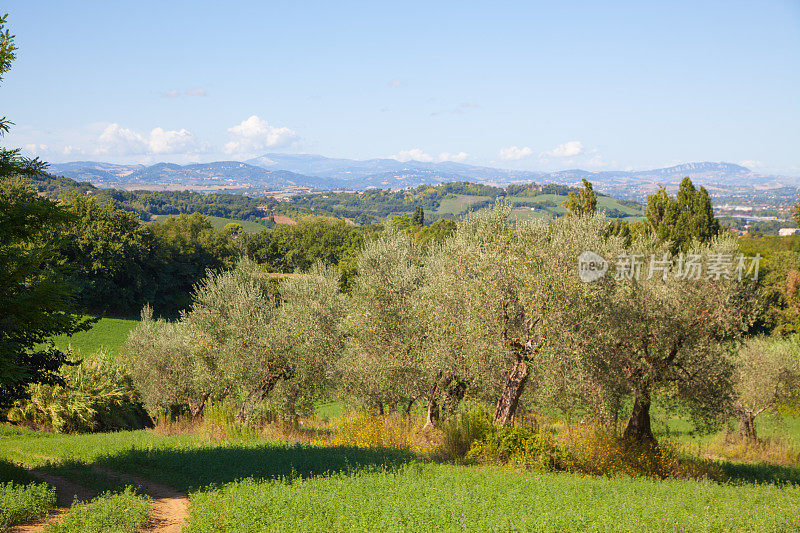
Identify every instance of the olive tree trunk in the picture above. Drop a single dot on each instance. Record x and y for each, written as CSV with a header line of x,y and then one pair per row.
x,y
638,429
747,424
512,390
434,411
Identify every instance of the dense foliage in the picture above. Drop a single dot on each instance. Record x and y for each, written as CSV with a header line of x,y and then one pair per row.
x,y
110,252
245,339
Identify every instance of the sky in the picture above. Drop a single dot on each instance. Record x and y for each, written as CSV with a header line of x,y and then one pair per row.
x,y
524,85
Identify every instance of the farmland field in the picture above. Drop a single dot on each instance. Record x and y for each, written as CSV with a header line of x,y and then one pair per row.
x,y
249,226
107,334
458,205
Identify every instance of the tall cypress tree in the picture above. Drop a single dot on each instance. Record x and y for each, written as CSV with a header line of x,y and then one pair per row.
x,y
684,219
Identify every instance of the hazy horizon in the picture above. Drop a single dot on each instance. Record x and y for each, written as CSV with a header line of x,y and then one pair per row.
x,y
516,86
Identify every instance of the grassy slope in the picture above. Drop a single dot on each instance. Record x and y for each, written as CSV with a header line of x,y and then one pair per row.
x,y
462,202
603,202
248,226
109,334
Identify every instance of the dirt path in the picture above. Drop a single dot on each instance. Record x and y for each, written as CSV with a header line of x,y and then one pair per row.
x,y
169,508
168,513
66,492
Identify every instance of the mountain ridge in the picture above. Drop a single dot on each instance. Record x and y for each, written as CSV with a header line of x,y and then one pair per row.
x,y
279,171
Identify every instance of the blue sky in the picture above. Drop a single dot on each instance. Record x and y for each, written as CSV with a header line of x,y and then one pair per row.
x,y
533,85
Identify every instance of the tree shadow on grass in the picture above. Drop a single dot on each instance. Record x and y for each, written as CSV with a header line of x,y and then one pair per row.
x,y
760,473
188,469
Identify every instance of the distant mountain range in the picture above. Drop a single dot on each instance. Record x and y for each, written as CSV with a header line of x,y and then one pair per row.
x,y
283,171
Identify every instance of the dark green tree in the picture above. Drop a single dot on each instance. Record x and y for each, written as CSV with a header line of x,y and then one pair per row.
x,y
418,218
583,203
687,218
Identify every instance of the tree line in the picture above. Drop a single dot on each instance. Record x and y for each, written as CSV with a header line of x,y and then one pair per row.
x,y
495,312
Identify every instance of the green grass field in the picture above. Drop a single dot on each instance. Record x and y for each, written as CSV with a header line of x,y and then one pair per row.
x,y
603,202
249,226
427,497
107,334
265,485
458,205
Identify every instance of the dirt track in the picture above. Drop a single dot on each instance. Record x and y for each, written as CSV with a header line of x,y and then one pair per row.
x,y
168,513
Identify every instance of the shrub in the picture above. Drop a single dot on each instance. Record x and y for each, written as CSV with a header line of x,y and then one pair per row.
x,y
97,396
735,447
461,432
120,512
366,430
220,423
532,448
23,503
585,449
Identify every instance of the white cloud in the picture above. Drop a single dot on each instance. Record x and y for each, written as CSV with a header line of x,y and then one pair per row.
x,y
395,83
456,158
116,140
255,134
36,149
172,142
415,154
172,94
567,149
513,153
751,163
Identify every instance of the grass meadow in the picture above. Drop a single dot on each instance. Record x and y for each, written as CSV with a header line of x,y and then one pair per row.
x,y
458,205
108,334
337,474
270,485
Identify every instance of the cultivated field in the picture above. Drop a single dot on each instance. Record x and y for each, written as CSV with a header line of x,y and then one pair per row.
x,y
219,223
108,335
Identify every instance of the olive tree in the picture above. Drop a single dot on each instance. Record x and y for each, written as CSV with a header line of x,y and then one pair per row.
x,y
767,374
504,302
243,336
382,362
660,324
163,365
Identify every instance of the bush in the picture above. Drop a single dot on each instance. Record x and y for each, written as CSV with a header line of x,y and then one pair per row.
x,y
532,448
732,446
120,512
461,432
97,396
597,451
23,503
365,430
587,450
220,423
